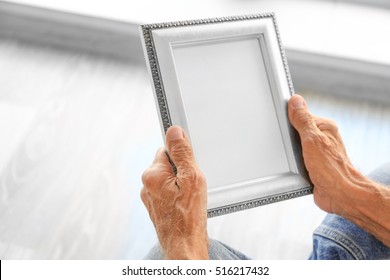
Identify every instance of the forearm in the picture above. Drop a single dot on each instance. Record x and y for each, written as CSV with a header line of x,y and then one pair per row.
x,y
338,187
368,206
196,249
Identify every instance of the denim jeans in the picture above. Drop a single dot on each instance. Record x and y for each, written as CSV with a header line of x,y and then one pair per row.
x,y
335,239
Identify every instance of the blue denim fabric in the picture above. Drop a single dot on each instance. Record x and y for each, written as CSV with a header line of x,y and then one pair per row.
x,y
339,239
335,239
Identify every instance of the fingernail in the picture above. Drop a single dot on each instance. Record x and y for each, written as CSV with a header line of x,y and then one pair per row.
x,y
175,133
298,102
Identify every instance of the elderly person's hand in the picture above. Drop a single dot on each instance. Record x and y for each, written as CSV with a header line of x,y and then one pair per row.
x,y
177,203
338,187
324,154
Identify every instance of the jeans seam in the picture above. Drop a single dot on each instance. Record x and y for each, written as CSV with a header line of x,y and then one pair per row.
x,y
341,239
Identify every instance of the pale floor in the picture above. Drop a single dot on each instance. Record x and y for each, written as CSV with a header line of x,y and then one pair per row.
x,y
76,133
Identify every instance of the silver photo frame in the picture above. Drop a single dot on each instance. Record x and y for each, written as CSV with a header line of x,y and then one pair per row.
x,y
226,82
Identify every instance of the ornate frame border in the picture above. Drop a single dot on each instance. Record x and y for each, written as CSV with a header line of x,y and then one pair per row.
x,y
146,32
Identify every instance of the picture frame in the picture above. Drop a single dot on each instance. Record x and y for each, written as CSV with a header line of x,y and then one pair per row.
x,y
226,82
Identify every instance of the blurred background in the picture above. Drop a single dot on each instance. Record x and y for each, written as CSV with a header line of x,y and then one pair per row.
x,y
78,123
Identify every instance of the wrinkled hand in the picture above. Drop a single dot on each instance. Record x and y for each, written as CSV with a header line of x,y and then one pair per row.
x,y
177,204
324,155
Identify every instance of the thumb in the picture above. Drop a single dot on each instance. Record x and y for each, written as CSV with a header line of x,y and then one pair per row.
x,y
300,117
179,148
